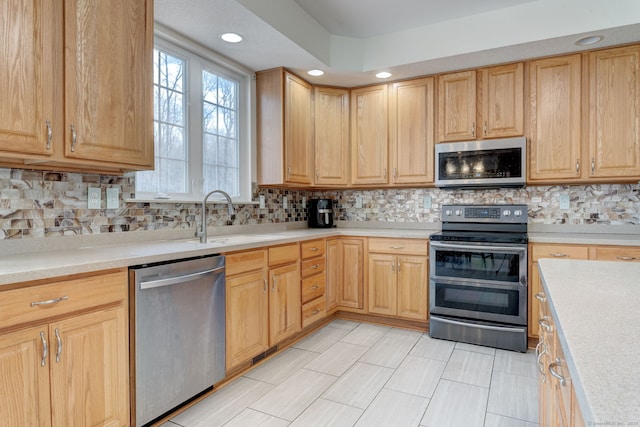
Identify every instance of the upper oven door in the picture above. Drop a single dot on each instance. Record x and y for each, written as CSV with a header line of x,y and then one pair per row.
x,y
490,163
479,263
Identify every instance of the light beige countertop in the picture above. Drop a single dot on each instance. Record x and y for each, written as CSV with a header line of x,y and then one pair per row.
x,y
75,255
596,308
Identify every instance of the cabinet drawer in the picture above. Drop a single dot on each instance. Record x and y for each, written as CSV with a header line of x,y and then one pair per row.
x,y
313,311
559,251
71,295
399,246
242,262
629,254
313,287
312,249
313,266
283,254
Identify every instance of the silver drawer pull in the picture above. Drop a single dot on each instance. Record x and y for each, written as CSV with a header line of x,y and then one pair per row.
x,y
544,325
540,297
51,301
49,134
315,312
74,138
554,374
314,266
313,249
59,351
314,287
626,258
559,255
396,247
45,349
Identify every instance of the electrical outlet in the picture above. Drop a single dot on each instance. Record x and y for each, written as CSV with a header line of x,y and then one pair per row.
x,y
358,202
94,198
113,198
285,202
564,201
262,203
427,202
304,202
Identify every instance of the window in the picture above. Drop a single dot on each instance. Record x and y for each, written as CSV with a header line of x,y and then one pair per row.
x,y
200,132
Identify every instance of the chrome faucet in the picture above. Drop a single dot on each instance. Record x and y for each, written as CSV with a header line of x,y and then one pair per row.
x,y
202,233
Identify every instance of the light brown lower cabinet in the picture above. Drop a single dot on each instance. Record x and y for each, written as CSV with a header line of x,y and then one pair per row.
x,y
64,361
345,274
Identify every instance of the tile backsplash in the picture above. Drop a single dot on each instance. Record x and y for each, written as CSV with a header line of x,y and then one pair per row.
x,y
43,204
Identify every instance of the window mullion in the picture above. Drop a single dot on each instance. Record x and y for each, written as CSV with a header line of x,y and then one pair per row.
x,y
195,129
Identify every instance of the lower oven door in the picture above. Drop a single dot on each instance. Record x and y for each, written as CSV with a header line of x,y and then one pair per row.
x,y
486,301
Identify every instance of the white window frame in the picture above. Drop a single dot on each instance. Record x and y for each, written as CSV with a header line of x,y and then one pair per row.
x,y
199,58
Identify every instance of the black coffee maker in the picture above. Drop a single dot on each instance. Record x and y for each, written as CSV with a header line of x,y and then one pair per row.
x,y
320,213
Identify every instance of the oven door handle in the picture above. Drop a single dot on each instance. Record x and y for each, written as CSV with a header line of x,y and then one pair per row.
x,y
468,247
479,325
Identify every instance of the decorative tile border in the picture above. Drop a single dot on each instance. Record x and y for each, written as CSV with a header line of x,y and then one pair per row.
x,y
42,204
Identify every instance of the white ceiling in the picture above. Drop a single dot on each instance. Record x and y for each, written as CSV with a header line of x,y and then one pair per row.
x,y
351,40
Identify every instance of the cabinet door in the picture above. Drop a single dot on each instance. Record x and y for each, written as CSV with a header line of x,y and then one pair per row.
x,y
369,141
108,104
89,357
284,302
351,291
298,148
614,147
25,380
411,131
457,106
31,73
247,317
382,284
503,101
333,274
412,275
555,94
331,136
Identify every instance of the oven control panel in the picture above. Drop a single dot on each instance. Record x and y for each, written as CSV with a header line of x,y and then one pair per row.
x,y
485,213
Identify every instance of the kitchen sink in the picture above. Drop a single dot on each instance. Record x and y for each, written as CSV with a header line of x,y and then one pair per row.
x,y
238,239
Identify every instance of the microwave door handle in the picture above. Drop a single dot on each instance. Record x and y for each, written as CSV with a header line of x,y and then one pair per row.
x,y
478,248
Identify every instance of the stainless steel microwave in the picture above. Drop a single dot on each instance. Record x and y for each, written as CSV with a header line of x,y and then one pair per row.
x,y
495,163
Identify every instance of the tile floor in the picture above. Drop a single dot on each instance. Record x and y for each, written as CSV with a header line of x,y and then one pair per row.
x,y
359,374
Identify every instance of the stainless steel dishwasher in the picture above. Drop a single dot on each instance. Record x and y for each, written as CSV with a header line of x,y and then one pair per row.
x,y
178,339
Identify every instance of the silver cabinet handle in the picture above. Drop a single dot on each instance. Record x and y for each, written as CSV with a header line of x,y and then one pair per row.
x,y
485,128
314,266
540,297
396,247
45,349
314,287
51,301
393,266
559,255
395,174
273,286
473,129
626,258
74,138
539,355
264,289
288,172
59,350
384,173
593,165
577,166
49,134
314,249
556,375
544,325
315,312
317,174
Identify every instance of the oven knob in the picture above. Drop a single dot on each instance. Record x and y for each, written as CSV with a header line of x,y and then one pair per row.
x,y
506,212
458,212
448,212
517,212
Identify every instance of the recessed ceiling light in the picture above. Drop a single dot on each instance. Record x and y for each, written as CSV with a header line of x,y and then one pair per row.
x,y
383,75
231,37
588,40
315,73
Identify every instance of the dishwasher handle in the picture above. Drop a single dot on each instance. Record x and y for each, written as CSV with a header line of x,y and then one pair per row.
x,y
178,279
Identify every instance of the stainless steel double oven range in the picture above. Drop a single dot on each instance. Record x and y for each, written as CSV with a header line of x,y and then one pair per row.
x,y
478,276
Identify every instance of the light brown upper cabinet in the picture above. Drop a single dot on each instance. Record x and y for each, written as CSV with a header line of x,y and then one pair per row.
x,y
555,131
284,128
498,92
411,131
614,113
79,80
331,136
369,141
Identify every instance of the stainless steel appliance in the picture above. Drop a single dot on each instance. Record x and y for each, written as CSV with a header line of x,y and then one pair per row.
x,y
320,213
482,164
478,276
179,343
